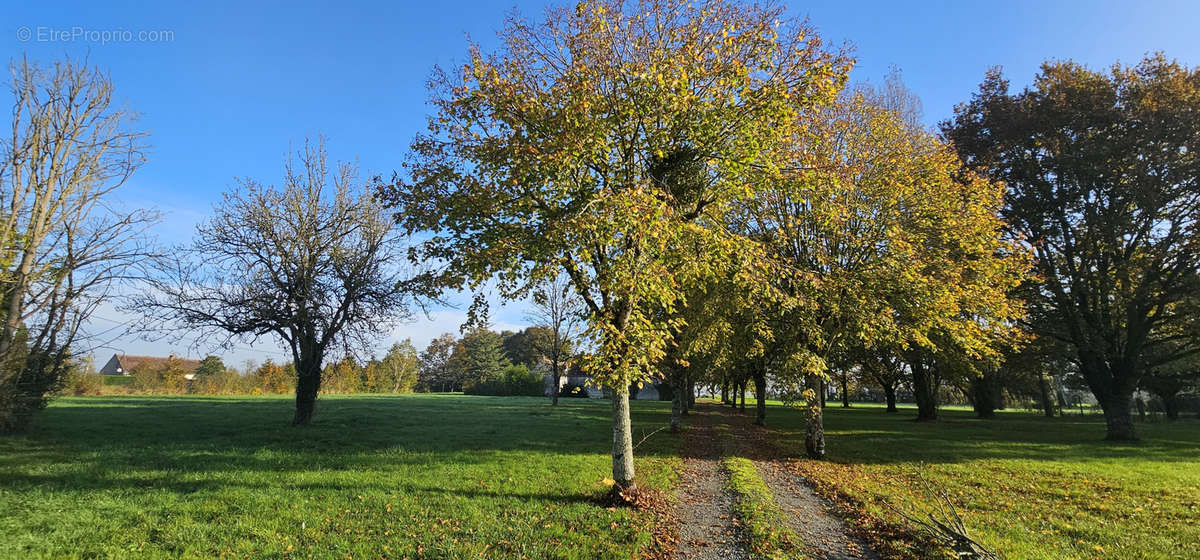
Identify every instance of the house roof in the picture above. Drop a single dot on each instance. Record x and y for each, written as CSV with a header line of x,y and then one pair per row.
x,y
130,362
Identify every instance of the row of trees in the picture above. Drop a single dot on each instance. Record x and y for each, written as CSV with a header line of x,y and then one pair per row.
x,y
722,205
726,208
1100,173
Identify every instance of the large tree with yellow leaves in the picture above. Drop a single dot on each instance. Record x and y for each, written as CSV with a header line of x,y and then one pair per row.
x,y
560,152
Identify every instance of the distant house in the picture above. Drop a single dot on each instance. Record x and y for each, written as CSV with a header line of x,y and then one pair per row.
x,y
576,377
120,364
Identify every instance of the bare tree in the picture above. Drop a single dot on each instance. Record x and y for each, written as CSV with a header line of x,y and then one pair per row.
x,y
557,309
65,244
316,263
895,96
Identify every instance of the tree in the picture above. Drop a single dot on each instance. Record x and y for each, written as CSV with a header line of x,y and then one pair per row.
x,y
210,365
1169,382
343,376
173,375
558,314
877,240
541,159
482,356
273,378
225,382
437,371
1101,169
522,347
161,377
1168,379
399,367
65,243
315,263
886,371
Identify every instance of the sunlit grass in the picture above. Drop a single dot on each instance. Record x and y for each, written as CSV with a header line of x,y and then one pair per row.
x,y
435,476
764,524
1030,487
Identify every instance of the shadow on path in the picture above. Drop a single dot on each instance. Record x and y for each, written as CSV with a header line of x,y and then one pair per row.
x,y
707,529
825,536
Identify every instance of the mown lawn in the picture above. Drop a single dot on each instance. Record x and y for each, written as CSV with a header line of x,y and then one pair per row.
x,y
431,476
1027,486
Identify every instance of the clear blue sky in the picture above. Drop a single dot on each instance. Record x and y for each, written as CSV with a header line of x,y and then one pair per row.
x,y
238,81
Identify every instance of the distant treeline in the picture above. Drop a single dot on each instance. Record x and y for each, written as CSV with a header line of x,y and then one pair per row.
x,y
481,362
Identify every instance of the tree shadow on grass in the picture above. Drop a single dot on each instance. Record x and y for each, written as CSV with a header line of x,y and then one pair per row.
x,y
872,436
188,444
184,483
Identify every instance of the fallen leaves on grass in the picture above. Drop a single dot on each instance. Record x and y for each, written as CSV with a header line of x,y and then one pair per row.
x,y
839,484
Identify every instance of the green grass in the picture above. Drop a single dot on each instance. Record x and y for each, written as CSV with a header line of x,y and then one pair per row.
x,y
1027,486
434,476
116,381
764,523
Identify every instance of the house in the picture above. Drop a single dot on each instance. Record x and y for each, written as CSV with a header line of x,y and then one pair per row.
x,y
121,364
576,377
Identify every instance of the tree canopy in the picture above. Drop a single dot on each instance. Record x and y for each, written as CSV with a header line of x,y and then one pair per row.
x,y
315,262
1101,171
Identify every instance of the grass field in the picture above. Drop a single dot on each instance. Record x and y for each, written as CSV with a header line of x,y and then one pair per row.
x,y
451,476
434,476
1030,487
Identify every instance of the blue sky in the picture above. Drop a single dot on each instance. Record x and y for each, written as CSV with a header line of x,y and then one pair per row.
x,y
237,82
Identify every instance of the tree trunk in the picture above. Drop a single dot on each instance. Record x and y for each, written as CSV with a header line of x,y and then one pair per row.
x,y
1044,388
724,392
1118,418
845,391
622,449
814,432
1171,406
685,405
822,388
760,396
925,391
889,392
307,386
676,405
691,393
983,398
742,390
557,385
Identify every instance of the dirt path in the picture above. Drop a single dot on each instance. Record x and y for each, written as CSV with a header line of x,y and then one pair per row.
x,y
826,536
706,524
707,530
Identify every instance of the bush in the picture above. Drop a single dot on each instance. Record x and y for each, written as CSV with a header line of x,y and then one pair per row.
x,y
271,378
146,379
116,380
515,381
81,383
224,382
169,377
116,384
37,377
